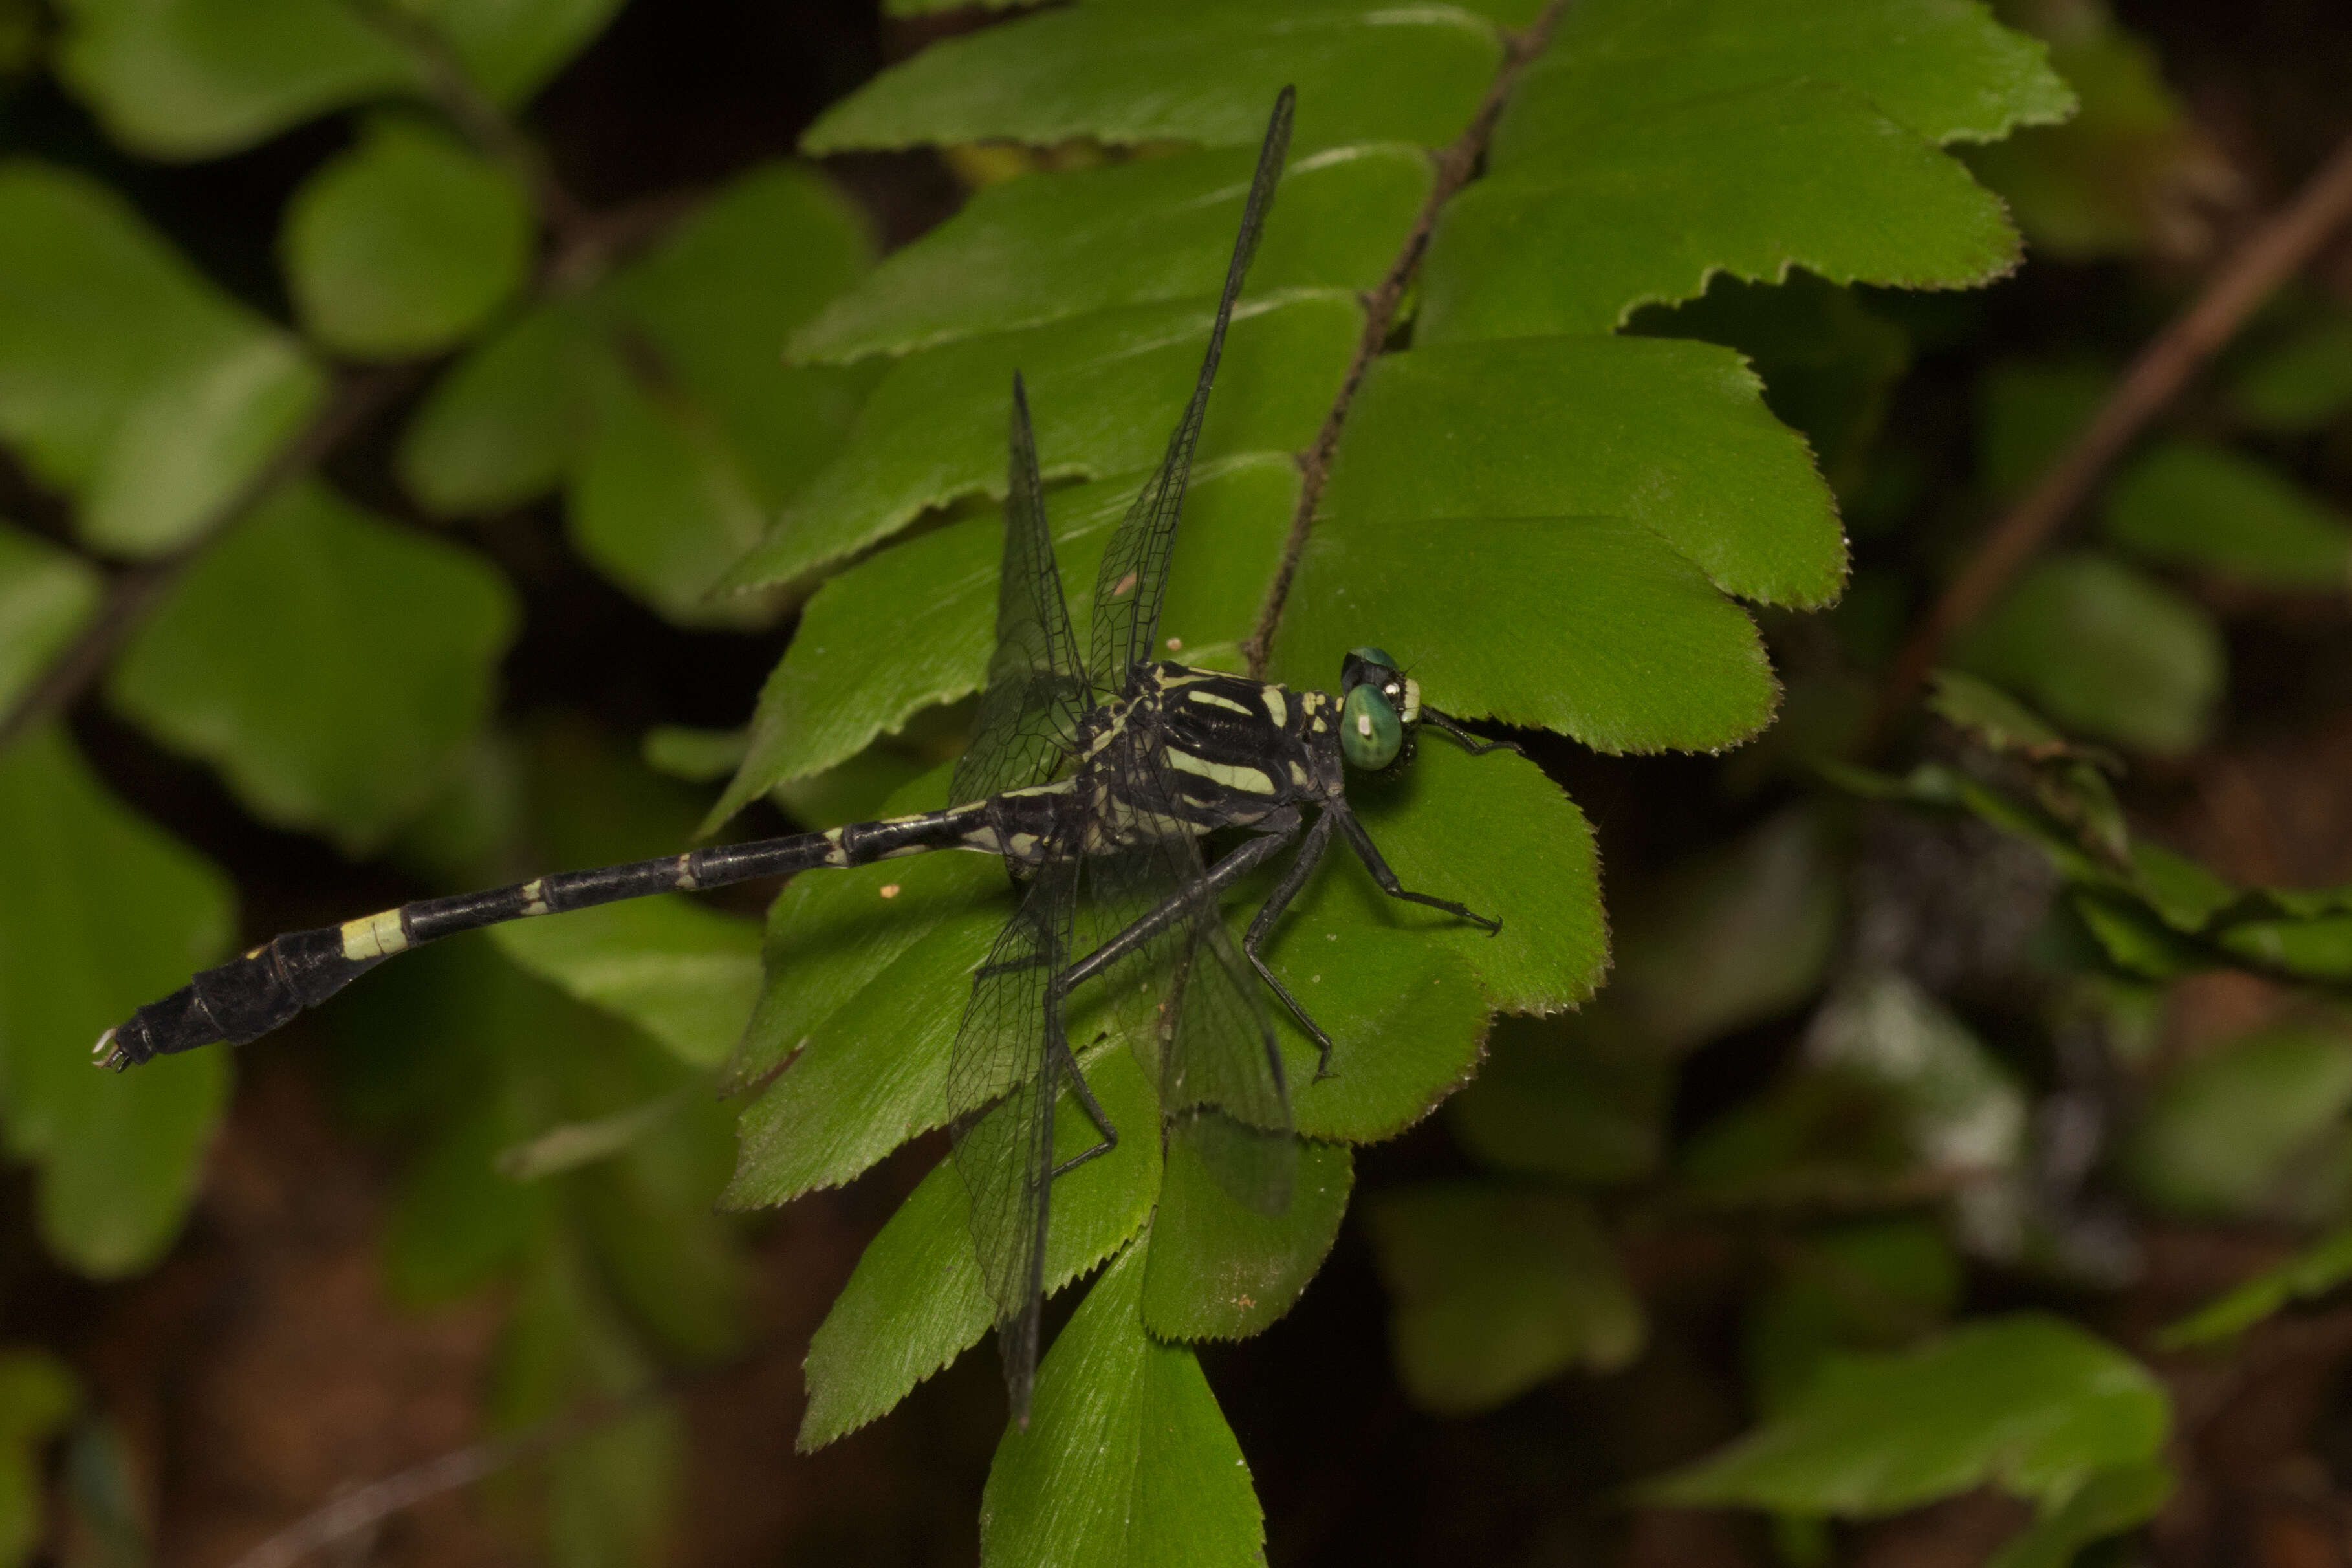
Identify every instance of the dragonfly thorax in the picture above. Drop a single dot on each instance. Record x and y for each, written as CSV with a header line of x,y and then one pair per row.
x,y
1231,751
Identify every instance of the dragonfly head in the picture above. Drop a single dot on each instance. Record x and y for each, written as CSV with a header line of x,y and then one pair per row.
x,y
1379,707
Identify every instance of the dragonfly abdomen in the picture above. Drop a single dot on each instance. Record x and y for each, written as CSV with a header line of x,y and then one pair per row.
x,y
245,998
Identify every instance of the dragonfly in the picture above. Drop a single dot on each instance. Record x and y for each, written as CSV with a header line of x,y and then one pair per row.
x,y
1097,777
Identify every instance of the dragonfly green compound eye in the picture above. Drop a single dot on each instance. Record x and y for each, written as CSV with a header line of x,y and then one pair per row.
x,y
1371,733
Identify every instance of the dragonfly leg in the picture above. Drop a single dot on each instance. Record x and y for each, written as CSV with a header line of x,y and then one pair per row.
x,y
1275,831
1470,743
1369,854
1092,1107
1260,925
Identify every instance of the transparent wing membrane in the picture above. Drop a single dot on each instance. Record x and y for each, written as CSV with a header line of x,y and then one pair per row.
x,y
1038,691
1134,577
1005,1074
1183,992
1214,1058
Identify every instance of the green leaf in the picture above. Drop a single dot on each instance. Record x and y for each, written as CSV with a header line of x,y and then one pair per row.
x,y
2315,1272
125,378
864,991
196,78
1492,832
495,431
1589,626
47,595
2108,1503
1671,434
105,913
1406,1017
2223,1133
1829,360
1734,937
852,675
697,756
1993,716
345,708
660,398
2308,902
682,973
1104,389
2135,940
2183,892
1205,72
2118,178
1753,182
1576,1099
1127,1458
511,46
712,308
1948,73
1050,246
1875,1285
38,1394
2193,505
1498,1290
2026,1402
660,502
2104,651
406,244
2301,385
1221,1271
917,1299
2318,948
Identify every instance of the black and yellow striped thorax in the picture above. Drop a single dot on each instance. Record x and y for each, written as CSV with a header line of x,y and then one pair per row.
x,y
1188,751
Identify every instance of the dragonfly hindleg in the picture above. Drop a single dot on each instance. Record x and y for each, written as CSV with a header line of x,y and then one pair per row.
x,y
1310,850
1270,835
1093,1108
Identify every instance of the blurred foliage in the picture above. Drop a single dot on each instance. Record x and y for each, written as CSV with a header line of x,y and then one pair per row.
x,y
1881,1032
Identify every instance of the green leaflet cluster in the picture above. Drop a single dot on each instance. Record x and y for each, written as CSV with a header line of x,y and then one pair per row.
x,y
1553,524
336,667
2101,638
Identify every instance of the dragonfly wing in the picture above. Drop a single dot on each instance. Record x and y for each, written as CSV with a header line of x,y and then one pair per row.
x,y
1004,1075
1037,690
1134,577
1219,1071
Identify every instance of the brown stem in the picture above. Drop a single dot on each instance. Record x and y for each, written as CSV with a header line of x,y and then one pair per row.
x,y
139,589
369,1505
2269,256
1454,167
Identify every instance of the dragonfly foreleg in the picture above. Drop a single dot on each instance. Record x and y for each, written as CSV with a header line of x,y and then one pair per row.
x,y
1470,743
1261,926
1367,851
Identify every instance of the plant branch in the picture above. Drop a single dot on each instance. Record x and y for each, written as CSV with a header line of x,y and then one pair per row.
x,y
137,590
1454,167
2272,254
369,1505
